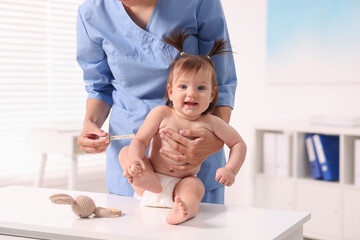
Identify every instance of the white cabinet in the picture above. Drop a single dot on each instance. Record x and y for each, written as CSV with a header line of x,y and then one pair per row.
x,y
334,205
275,192
324,204
351,213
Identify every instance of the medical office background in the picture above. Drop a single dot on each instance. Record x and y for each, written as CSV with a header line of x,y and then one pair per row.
x,y
289,69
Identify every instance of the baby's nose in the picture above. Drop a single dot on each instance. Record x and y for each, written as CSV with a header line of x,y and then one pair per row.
x,y
192,93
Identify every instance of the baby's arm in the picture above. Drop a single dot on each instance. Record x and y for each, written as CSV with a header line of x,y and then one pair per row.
x,y
141,141
234,141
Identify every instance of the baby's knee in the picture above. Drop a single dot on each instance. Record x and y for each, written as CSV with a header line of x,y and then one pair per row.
x,y
193,183
199,185
123,155
196,181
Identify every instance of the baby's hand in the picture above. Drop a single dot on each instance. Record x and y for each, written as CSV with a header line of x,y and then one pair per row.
x,y
136,168
225,176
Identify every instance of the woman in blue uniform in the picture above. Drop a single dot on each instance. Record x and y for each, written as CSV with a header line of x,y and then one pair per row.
x,y
125,62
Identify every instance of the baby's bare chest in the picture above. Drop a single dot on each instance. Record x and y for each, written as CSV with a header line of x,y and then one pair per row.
x,y
177,125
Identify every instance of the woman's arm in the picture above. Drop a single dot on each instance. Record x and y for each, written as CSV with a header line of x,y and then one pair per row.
x,y
223,112
97,76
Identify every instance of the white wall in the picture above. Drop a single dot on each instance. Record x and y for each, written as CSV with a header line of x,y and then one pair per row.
x,y
257,101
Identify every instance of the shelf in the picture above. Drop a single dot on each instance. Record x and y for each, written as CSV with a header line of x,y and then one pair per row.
x,y
282,166
320,183
351,187
263,175
334,204
351,131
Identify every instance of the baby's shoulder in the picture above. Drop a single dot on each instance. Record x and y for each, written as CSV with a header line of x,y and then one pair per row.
x,y
161,108
164,110
212,120
209,118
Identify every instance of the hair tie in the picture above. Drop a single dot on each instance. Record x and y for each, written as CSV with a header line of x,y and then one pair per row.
x,y
182,53
208,57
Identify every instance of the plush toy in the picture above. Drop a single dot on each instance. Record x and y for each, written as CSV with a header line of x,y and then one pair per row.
x,y
84,206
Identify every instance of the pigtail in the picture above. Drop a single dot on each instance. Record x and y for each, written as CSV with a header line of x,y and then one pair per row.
x,y
220,47
177,39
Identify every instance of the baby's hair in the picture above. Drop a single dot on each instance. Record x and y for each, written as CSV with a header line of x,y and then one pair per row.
x,y
177,39
189,63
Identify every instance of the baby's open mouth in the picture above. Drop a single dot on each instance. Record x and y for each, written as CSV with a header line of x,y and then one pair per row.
x,y
191,103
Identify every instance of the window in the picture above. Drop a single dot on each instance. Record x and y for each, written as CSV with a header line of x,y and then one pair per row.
x,y
40,80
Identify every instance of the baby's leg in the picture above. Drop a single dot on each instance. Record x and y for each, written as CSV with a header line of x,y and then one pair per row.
x,y
187,196
148,181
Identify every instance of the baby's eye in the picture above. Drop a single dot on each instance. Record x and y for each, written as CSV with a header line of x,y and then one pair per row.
x,y
182,86
201,88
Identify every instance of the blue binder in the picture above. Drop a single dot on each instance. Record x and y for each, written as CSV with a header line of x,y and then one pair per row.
x,y
312,156
327,150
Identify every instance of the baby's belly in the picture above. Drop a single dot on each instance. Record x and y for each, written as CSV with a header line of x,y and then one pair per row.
x,y
161,165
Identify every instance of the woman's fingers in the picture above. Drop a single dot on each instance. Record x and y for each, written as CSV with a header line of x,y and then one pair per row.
x,y
94,143
173,142
185,167
173,156
193,133
173,137
92,139
93,146
98,149
191,146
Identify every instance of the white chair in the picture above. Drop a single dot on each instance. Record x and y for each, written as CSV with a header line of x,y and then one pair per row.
x,y
56,141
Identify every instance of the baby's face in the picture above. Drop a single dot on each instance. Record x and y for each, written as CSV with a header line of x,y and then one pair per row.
x,y
191,93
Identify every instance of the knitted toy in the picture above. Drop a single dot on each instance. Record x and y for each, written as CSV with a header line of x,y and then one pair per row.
x,y
84,206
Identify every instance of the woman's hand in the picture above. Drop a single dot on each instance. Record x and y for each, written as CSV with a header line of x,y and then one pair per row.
x,y
89,139
193,146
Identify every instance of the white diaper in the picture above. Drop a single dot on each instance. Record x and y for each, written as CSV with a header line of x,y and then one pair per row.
x,y
163,199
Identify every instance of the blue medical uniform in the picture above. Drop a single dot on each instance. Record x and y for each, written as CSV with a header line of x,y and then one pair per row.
x,y
127,67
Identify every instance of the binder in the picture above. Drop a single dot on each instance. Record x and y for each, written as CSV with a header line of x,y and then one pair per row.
x,y
312,156
276,154
327,150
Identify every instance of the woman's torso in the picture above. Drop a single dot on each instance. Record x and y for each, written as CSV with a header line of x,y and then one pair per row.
x,y
139,61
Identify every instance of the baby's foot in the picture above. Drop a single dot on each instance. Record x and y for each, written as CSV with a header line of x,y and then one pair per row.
x,y
149,180
179,213
135,170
